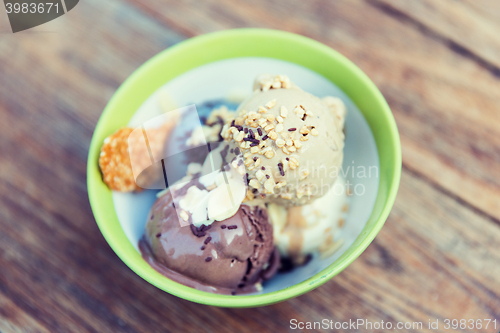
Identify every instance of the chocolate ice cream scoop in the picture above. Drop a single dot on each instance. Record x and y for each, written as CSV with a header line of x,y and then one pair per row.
x,y
226,256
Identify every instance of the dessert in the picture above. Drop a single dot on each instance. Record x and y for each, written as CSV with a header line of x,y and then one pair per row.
x,y
296,137
302,230
246,188
125,160
194,140
114,162
226,256
199,227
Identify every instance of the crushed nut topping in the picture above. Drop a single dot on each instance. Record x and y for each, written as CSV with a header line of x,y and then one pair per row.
x,y
283,112
271,104
273,82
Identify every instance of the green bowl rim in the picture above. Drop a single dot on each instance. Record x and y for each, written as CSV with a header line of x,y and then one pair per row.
x,y
275,44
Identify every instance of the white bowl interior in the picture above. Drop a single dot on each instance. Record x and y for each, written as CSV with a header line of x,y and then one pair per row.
x,y
232,79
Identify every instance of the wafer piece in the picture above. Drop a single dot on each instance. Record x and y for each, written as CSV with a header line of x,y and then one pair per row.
x,y
115,161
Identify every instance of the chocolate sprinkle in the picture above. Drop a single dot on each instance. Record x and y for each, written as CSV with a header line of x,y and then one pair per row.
x,y
207,259
251,140
246,130
237,151
203,247
259,131
231,227
255,158
292,129
239,127
267,176
223,226
198,232
280,166
158,235
207,240
253,144
252,135
265,137
288,158
263,168
204,227
232,123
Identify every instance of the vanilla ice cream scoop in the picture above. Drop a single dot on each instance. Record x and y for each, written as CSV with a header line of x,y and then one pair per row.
x,y
303,230
291,141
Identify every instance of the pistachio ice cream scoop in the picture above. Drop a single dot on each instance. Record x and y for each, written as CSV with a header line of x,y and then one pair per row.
x,y
291,141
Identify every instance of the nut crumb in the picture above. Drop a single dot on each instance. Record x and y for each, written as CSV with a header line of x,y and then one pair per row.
x,y
271,104
284,112
269,154
254,183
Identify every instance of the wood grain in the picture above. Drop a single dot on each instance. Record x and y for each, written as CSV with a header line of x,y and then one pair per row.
x,y
464,24
436,258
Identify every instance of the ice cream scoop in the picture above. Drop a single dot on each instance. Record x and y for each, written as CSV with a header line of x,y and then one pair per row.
x,y
195,134
292,142
301,230
229,256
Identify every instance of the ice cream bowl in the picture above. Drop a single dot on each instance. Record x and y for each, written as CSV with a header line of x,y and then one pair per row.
x,y
236,55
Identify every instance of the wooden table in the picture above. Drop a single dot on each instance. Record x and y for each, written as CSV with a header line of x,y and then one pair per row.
x,y
437,62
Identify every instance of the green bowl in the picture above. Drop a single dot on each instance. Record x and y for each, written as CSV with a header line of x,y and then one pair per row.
x,y
246,43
